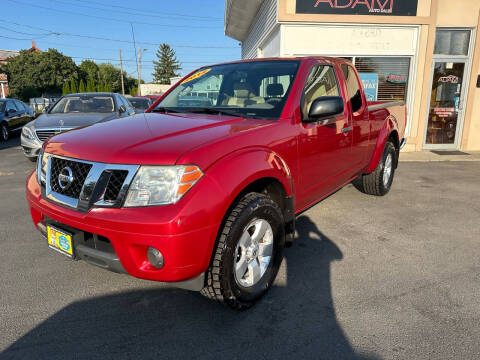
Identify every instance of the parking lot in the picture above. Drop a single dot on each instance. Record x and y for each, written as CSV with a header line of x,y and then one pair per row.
x,y
371,278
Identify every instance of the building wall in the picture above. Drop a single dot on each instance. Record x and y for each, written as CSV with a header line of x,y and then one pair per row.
x,y
261,29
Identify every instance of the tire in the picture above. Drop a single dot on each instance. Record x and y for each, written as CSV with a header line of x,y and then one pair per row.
x,y
4,132
380,181
32,159
239,248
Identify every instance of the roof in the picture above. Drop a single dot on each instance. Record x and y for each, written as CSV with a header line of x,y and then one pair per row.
x,y
5,54
239,15
92,94
329,59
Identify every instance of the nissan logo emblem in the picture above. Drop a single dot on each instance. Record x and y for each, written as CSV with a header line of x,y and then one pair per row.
x,y
65,178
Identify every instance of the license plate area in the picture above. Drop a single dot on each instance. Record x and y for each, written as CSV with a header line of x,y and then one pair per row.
x,y
60,240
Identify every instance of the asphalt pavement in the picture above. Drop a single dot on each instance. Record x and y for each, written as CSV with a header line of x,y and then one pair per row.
x,y
396,277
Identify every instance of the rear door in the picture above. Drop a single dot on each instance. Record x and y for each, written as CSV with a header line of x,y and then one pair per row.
x,y
13,117
359,118
22,112
324,149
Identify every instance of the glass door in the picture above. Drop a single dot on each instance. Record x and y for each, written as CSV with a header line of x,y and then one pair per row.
x,y
445,115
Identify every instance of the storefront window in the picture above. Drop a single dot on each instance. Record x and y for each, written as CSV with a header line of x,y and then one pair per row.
x,y
393,75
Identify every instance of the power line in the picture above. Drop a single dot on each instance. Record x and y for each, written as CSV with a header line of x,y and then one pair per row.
x,y
110,19
132,11
118,40
24,33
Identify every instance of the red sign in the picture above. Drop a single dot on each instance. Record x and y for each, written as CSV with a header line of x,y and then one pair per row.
x,y
358,7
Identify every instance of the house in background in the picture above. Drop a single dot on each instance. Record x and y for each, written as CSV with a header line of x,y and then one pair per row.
x,y
4,56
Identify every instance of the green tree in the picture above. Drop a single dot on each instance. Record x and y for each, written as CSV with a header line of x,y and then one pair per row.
x,y
133,91
167,65
66,88
32,73
81,87
91,87
73,86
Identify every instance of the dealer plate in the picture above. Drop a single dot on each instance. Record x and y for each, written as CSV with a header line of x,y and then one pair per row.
x,y
60,241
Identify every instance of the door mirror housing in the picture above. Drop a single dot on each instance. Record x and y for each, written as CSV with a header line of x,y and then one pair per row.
x,y
122,109
325,107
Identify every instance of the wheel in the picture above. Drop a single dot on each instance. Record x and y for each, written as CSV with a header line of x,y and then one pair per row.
x,y
4,132
380,180
32,159
248,253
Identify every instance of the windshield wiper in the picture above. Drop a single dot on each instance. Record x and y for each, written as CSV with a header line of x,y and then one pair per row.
x,y
213,111
164,110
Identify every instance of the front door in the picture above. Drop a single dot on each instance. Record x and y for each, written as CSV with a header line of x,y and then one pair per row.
x,y
447,104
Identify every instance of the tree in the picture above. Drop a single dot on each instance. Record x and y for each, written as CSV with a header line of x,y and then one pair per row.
x,y
133,91
81,87
73,86
167,65
32,73
66,88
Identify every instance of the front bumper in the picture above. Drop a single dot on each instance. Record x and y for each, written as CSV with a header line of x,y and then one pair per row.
x,y
31,148
183,233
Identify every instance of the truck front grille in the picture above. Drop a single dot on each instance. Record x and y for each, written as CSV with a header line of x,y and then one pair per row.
x,y
81,185
79,171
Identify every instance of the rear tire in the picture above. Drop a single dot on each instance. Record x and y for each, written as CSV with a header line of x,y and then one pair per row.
x,y
379,182
4,132
248,253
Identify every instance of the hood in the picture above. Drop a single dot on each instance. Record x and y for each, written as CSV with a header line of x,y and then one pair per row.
x,y
71,120
156,139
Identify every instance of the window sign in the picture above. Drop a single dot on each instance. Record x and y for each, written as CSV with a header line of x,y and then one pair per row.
x,y
358,7
396,78
370,85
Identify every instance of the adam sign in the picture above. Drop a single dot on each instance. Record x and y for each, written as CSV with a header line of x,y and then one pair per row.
x,y
358,7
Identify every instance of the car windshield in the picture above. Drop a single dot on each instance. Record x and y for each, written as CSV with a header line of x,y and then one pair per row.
x,y
140,103
84,104
257,89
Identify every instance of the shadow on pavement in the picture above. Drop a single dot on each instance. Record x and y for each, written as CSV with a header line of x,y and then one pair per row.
x,y
292,321
14,141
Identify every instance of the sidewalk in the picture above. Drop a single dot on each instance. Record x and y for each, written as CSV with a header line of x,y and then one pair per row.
x,y
425,156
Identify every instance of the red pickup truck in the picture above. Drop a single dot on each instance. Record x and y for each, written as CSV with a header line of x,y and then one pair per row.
x,y
202,190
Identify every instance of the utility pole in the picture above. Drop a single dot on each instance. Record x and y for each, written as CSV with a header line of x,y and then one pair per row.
x,y
121,72
139,69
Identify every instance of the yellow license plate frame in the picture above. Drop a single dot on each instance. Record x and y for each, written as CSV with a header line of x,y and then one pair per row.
x,y
60,241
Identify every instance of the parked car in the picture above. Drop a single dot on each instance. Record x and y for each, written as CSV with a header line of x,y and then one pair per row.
x,y
205,198
69,112
140,103
14,114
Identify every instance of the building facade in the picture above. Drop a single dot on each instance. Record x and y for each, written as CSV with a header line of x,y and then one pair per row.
x,y
425,52
4,55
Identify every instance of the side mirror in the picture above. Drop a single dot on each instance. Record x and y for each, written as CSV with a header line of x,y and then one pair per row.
x,y
45,109
122,109
325,107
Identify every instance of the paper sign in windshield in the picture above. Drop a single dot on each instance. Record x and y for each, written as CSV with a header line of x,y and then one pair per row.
x,y
196,76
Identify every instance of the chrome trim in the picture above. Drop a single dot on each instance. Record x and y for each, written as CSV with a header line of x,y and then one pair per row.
x,y
385,105
56,130
402,143
94,187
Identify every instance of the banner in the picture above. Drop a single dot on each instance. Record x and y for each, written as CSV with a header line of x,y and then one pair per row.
x,y
370,85
358,7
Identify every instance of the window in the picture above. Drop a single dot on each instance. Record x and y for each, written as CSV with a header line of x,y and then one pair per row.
x,y
321,81
11,107
353,87
20,105
257,89
392,74
452,42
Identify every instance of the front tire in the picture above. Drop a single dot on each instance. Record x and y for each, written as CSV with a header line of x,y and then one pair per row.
x,y
248,253
380,181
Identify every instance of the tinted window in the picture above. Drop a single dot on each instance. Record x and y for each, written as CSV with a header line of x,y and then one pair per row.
x,y
253,89
2,106
11,106
353,87
140,103
20,105
321,81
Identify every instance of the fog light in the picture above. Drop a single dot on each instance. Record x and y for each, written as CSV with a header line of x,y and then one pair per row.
x,y
155,257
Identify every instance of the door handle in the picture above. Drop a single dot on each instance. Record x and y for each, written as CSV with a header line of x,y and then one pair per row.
x,y
347,129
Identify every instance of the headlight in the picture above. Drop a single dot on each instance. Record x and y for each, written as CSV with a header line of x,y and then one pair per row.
x,y
28,133
161,185
42,167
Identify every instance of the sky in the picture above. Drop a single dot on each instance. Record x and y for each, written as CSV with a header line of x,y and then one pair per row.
x,y
97,30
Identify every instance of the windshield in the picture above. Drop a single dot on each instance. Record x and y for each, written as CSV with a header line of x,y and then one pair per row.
x,y
140,103
251,89
84,104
